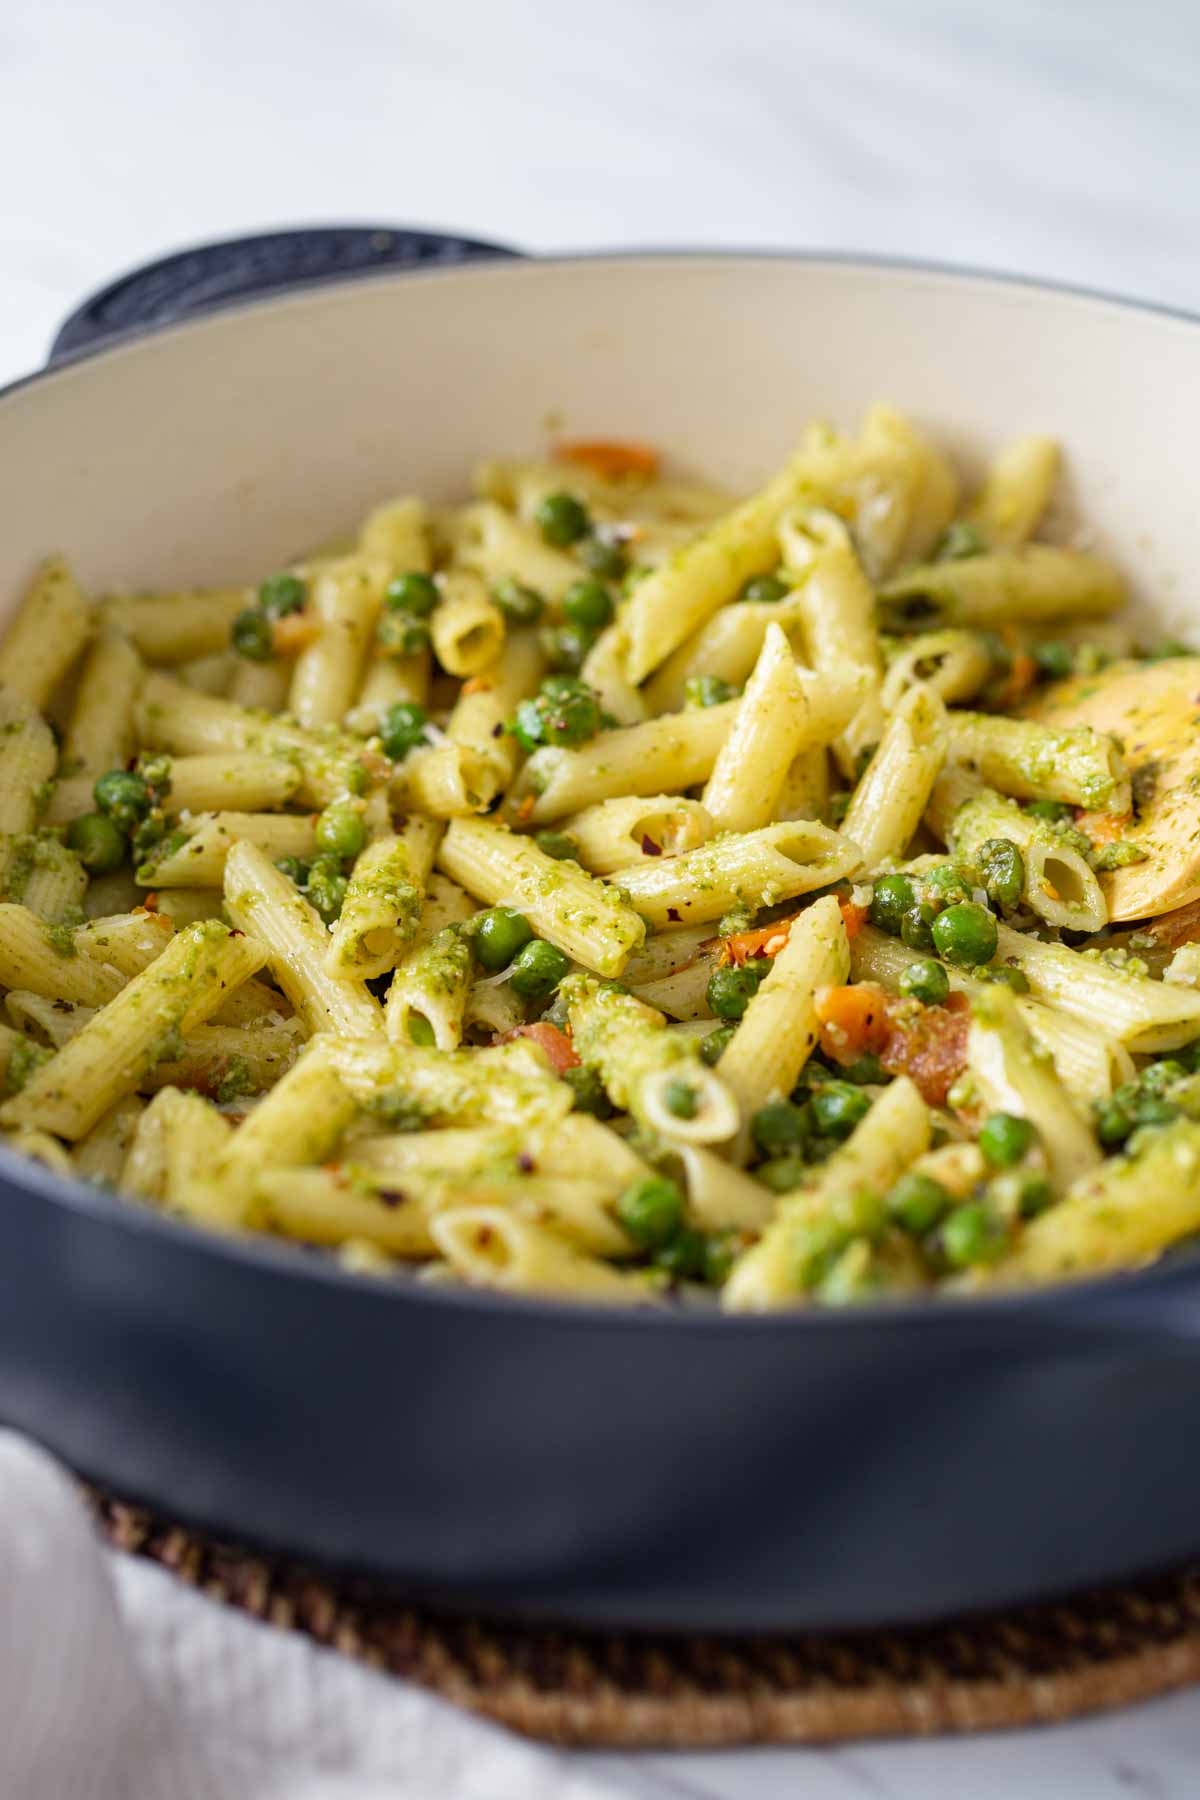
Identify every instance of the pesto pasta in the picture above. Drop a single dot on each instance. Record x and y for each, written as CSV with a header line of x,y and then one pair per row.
x,y
613,888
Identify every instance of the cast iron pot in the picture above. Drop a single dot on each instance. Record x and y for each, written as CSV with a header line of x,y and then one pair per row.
x,y
657,1469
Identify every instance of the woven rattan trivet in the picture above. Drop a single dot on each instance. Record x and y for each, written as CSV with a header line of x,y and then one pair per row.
x,y
1038,1664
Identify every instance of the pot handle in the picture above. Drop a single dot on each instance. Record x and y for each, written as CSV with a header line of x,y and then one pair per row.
x,y
210,276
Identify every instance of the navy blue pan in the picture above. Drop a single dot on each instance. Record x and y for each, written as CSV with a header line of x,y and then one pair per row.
x,y
538,1460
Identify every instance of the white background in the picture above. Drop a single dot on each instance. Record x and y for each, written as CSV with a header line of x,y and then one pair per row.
x,y
1055,139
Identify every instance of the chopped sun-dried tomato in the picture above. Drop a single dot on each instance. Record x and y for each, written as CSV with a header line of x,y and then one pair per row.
x,y
557,1044
929,1045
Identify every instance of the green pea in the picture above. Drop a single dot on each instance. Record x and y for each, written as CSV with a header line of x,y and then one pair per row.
x,y
521,605
341,830
681,1099
865,1071
1002,868
528,725
972,1234
837,1107
282,594
420,1031
1157,1077
782,1174
1054,811
1054,659
566,646
926,981
892,898
1003,975
537,970
588,603
1005,1138
326,887
965,934
571,720
402,634
762,588
123,796
603,557
295,870
1151,1110
1114,1122
683,1256
730,991
781,1127
558,845
706,690
917,1202
499,934
915,926
589,1092
250,635
943,885
414,593
720,1253
651,1211
561,519
712,1047
402,728
960,540
1019,1194
96,841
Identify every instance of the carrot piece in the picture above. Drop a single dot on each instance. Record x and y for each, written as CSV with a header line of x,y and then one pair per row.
x,y
1104,828
853,1021
854,917
555,1043
610,459
744,946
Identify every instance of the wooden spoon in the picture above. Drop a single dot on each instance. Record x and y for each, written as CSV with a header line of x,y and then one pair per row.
x,y
1154,709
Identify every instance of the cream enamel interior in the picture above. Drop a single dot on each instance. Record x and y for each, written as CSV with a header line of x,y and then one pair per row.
x,y
209,452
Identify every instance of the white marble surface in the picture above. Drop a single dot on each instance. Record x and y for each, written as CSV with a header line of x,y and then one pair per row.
x,y
1047,136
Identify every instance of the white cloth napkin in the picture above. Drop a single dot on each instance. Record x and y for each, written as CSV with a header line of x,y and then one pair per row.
x,y
118,1683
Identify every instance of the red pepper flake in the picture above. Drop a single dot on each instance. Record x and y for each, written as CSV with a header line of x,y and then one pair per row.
x,y
525,1162
650,848
391,1196
150,902
525,810
674,915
